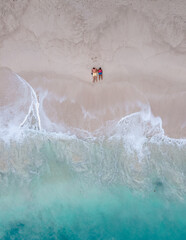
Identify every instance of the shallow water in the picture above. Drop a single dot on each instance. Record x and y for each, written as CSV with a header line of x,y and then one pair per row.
x,y
112,213
56,187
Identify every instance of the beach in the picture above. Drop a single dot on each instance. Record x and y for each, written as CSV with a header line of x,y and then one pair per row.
x,y
92,160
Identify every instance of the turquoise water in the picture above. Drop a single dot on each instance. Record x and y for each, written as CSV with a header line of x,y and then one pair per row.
x,y
57,188
112,213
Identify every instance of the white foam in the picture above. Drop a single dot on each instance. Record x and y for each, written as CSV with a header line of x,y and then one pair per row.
x,y
32,119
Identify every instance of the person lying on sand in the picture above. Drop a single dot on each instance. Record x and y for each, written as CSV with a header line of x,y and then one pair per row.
x,y
100,72
94,74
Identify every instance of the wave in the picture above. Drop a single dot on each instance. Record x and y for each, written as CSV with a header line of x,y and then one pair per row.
x,y
133,151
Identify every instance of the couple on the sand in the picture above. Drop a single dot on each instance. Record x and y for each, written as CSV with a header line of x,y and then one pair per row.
x,y
95,73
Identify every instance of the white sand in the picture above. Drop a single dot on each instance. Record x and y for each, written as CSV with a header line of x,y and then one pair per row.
x,y
140,44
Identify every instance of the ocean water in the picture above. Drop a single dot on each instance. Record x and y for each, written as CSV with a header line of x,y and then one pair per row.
x,y
124,181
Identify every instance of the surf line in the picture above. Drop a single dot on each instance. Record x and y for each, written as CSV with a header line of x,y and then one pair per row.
x,y
33,109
